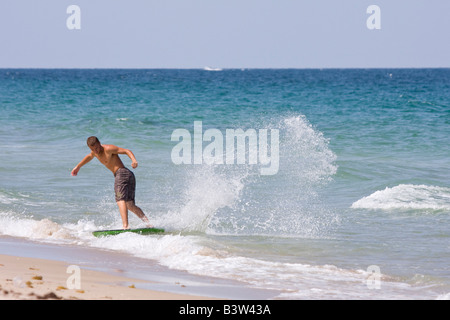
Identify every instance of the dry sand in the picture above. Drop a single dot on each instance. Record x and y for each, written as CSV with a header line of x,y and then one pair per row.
x,y
30,279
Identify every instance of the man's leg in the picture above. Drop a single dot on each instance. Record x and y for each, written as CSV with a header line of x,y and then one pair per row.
x,y
123,213
138,211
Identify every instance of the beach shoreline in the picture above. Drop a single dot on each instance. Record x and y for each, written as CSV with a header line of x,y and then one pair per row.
x,y
32,270
42,279
26,277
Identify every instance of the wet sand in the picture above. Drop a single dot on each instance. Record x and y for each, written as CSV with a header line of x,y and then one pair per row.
x,y
31,278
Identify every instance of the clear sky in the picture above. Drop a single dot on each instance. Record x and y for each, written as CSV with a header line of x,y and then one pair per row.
x,y
224,33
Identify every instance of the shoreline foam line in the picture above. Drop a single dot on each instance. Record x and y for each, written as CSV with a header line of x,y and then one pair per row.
x,y
119,270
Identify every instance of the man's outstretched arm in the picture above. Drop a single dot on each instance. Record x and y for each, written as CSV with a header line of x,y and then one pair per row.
x,y
85,160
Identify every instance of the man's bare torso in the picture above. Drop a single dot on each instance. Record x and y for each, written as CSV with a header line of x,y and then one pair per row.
x,y
109,159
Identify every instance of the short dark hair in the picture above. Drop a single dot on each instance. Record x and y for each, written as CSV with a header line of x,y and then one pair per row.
x,y
92,141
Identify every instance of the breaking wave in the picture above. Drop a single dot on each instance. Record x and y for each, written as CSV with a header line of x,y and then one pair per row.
x,y
407,196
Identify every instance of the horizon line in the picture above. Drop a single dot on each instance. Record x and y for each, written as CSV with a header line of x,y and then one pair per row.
x,y
217,69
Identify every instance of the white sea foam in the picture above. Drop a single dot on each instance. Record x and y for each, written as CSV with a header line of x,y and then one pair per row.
x,y
445,296
4,199
45,229
292,280
407,196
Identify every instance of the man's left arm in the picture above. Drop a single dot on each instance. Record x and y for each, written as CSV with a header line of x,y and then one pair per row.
x,y
128,152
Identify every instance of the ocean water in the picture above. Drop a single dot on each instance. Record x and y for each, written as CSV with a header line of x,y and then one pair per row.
x,y
359,207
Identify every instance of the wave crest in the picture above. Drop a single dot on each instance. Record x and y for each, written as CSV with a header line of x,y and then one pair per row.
x,y
407,196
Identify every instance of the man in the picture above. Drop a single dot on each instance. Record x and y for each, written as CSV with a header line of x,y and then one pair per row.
x,y
125,182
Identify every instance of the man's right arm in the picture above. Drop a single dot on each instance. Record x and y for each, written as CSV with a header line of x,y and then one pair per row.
x,y
85,160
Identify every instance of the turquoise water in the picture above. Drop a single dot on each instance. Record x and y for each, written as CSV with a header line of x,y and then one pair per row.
x,y
363,175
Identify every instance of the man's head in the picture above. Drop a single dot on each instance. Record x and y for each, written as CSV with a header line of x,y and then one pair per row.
x,y
94,144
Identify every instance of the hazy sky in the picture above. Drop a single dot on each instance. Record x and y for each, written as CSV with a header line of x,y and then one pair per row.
x,y
224,33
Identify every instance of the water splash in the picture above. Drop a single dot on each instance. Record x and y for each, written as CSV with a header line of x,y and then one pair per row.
x,y
207,190
237,199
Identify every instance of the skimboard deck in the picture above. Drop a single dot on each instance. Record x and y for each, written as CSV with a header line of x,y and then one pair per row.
x,y
103,233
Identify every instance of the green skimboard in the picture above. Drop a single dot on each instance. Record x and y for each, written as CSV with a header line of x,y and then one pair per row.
x,y
103,233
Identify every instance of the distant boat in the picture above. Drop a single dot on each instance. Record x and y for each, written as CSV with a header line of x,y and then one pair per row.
x,y
212,69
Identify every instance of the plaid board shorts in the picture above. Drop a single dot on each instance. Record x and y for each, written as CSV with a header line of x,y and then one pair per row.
x,y
124,184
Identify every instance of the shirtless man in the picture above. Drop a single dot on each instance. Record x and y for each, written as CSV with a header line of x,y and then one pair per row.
x,y
124,184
